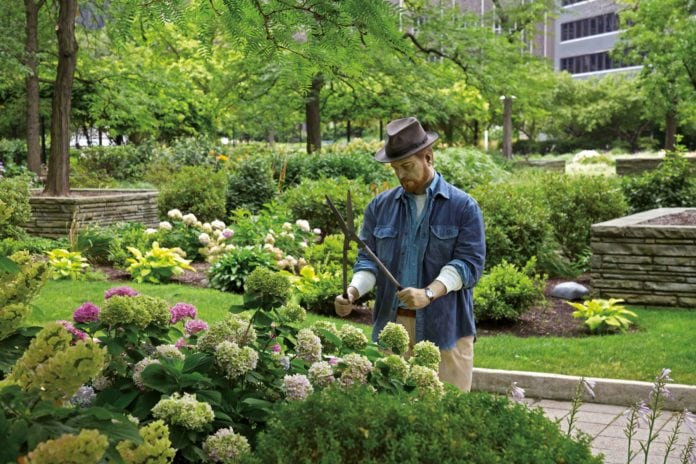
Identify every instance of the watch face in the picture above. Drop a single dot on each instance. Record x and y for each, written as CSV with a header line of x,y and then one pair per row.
x,y
429,293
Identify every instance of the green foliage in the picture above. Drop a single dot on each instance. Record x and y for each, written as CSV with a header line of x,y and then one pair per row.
x,y
308,200
516,219
13,151
139,310
327,256
121,162
122,237
34,245
266,289
15,210
468,167
155,449
603,316
577,202
250,184
316,291
156,265
199,190
351,426
672,184
94,243
231,271
16,292
64,264
507,292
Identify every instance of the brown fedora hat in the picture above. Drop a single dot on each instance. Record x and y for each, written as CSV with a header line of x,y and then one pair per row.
x,y
405,137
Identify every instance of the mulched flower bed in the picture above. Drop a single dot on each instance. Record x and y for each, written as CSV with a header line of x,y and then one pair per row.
x,y
551,319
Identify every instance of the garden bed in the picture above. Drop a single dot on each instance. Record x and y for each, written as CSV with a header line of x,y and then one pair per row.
x,y
647,258
54,216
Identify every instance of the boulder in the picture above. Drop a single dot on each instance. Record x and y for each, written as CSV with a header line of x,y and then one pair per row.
x,y
570,291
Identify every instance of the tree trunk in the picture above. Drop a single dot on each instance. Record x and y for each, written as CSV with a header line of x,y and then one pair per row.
x,y
670,129
58,181
348,131
507,127
31,46
313,115
270,136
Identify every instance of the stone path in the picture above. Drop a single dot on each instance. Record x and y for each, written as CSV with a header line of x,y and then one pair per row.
x,y
606,424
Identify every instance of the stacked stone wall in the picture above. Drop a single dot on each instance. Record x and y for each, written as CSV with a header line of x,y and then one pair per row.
x,y
54,216
638,164
644,263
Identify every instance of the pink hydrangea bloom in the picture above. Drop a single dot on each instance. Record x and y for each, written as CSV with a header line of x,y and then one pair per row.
x,y
88,312
76,333
194,326
182,311
120,291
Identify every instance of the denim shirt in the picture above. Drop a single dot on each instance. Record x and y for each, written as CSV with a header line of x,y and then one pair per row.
x,y
449,232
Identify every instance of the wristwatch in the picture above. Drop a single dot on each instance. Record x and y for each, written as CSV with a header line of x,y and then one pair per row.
x,y
429,293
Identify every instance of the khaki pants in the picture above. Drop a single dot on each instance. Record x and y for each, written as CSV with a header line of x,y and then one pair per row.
x,y
456,364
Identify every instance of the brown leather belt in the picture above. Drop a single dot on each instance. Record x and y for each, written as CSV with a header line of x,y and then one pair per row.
x,y
406,312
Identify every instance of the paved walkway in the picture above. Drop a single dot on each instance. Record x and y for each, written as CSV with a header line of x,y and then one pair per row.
x,y
606,425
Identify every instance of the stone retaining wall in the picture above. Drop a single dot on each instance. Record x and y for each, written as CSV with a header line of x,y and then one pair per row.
x,y
645,263
638,164
550,165
53,216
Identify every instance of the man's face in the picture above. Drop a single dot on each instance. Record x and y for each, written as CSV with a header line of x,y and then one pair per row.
x,y
414,173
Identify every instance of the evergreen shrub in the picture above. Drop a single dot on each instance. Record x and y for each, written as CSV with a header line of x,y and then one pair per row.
x,y
672,184
230,272
200,190
15,210
506,292
516,219
250,184
361,426
577,202
121,162
468,167
308,200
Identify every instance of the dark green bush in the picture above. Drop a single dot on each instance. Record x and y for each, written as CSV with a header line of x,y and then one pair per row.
x,y
507,292
351,165
360,426
121,162
517,221
308,201
196,189
230,272
672,184
577,202
84,177
468,167
266,289
251,184
13,152
15,210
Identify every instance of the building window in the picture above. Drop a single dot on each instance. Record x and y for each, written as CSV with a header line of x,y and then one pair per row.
x,y
589,26
593,62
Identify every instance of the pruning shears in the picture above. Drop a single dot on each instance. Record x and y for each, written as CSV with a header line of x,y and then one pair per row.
x,y
349,235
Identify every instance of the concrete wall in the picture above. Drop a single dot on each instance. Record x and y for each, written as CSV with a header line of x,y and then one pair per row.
x,y
53,216
643,263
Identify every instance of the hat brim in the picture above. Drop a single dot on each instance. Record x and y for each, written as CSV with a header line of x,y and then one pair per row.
x,y
382,157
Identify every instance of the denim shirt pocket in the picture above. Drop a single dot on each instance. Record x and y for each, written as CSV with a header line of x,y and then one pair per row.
x,y
385,239
443,239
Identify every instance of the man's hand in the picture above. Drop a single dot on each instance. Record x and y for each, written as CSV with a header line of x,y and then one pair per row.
x,y
344,305
413,298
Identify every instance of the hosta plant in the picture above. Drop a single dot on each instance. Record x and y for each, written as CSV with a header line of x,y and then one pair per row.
x,y
65,264
157,265
604,315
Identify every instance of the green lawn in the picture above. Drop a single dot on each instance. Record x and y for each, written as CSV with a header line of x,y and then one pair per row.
x,y
666,337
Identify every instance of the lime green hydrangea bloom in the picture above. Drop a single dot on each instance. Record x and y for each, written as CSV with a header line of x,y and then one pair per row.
x,y
156,447
56,365
293,312
426,380
427,354
396,366
233,328
353,338
185,411
394,337
87,447
327,345
234,360
141,310
225,446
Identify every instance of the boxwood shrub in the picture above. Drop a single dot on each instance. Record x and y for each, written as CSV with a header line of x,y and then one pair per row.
x,y
361,426
196,189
